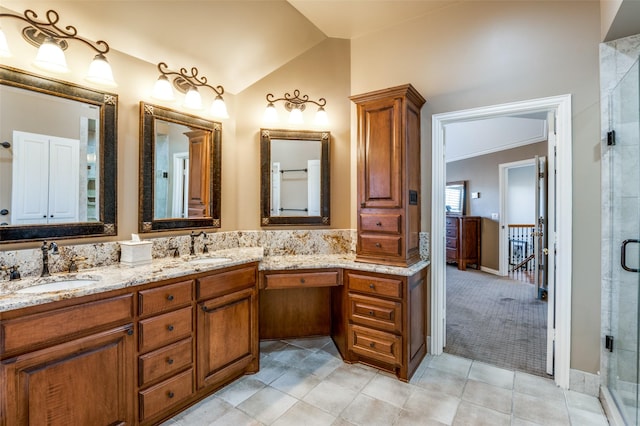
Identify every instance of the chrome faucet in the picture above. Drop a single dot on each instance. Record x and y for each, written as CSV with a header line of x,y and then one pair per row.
x,y
192,249
45,256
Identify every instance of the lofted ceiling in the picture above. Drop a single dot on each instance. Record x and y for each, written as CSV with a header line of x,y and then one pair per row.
x,y
232,43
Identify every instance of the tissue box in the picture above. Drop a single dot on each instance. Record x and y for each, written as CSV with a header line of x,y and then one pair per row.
x,y
135,253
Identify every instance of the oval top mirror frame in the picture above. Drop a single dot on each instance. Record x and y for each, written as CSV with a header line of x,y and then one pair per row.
x,y
107,156
310,208
206,163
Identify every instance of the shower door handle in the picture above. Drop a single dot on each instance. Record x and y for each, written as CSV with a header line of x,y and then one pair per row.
x,y
623,256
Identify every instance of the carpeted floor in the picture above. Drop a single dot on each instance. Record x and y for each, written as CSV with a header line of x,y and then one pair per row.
x,y
496,320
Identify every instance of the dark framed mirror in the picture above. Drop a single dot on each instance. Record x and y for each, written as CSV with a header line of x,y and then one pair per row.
x,y
180,170
58,159
294,184
456,198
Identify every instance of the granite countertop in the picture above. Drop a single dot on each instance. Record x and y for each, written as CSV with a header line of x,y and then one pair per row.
x,y
13,295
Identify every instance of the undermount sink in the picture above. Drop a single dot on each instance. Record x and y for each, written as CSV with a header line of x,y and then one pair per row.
x,y
208,260
58,286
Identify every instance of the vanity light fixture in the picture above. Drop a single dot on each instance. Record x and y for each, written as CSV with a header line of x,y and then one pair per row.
x,y
295,105
188,83
52,41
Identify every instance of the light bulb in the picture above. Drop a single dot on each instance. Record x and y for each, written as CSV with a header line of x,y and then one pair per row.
x,y
4,46
192,100
162,90
51,57
218,108
295,116
100,72
270,114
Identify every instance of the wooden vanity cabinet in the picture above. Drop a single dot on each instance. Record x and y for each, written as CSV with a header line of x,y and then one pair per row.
x,y
69,365
227,325
386,320
389,176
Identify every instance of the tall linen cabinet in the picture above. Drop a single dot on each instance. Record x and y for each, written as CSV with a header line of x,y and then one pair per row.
x,y
389,175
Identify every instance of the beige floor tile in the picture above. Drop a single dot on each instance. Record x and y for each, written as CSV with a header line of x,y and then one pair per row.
x,y
311,343
492,375
535,385
434,405
451,364
583,402
488,396
234,417
389,390
320,364
367,411
412,418
583,417
240,390
351,377
303,414
330,397
469,414
270,370
441,381
296,383
267,405
546,410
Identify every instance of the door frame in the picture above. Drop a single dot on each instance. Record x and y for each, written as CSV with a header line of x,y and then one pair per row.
x,y
561,105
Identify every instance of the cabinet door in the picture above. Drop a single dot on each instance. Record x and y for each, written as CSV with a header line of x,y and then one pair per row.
x,y
84,382
227,336
380,154
199,176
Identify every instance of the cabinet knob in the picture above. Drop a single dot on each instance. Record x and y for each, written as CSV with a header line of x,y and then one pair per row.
x,y
372,286
170,394
371,313
378,245
169,361
302,280
170,297
378,223
130,332
371,345
363,205
170,327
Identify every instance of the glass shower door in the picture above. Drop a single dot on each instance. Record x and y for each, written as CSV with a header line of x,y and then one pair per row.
x,y
623,363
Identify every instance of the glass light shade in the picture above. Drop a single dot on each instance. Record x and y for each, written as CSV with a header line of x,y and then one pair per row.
x,y
321,117
51,57
192,100
295,116
162,90
100,72
270,114
219,108
4,46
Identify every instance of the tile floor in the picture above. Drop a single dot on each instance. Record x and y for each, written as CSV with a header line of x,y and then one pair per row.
x,y
305,382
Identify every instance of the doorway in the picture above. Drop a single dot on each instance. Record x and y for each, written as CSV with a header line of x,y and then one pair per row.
x,y
559,298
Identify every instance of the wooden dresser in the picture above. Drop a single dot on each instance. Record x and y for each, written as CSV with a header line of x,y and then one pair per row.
x,y
389,176
463,240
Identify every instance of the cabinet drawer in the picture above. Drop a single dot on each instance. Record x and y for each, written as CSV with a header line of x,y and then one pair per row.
x,y
226,282
165,394
380,223
452,242
452,255
374,344
165,361
305,279
164,298
451,221
166,328
47,327
451,232
380,245
375,285
375,312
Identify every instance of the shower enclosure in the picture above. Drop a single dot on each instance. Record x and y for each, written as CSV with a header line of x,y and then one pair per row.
x,y
621,344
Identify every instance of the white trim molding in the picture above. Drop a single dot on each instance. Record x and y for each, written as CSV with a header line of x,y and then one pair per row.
x,y
561,105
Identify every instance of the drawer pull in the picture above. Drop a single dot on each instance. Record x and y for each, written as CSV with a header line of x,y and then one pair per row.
x,y
371,313
170,327
170,297
378,245
302,280
378,223
170,394
130,332
372,286
372,345
169,361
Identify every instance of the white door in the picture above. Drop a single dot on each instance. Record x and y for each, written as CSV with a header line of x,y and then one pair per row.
x,y
549,250
45,179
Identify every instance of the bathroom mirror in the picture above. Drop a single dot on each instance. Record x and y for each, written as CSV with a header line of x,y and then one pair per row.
x,y
180,169
58,168
456,197
294,177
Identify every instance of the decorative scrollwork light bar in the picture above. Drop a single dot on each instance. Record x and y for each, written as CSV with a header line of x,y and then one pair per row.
x,y
51,41
295,105
188,83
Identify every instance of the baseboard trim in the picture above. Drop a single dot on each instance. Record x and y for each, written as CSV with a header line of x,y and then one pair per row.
x,y
489,270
